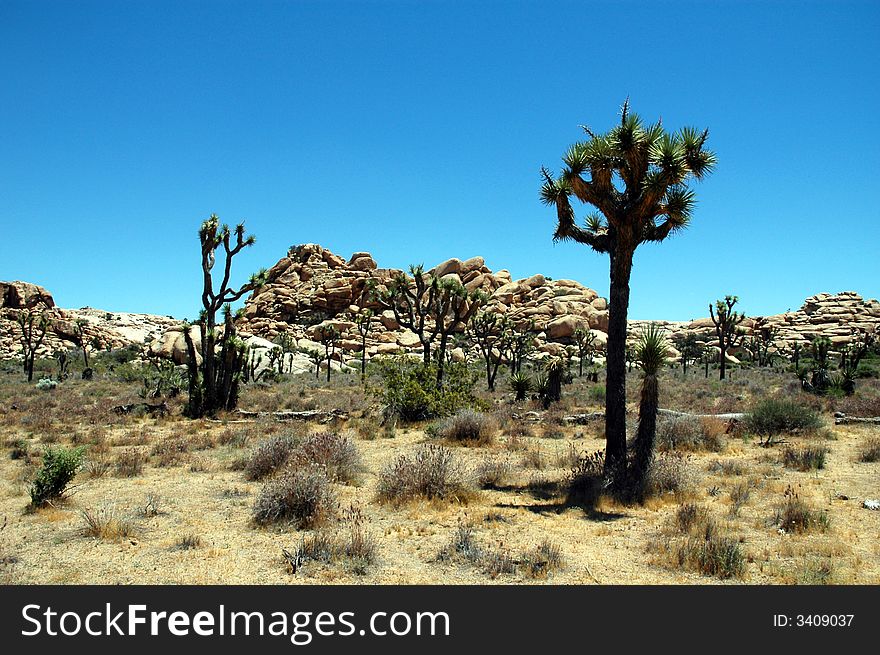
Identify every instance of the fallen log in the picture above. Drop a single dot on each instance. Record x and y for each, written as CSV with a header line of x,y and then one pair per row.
x,y
583,419
847,420
735,416
318,415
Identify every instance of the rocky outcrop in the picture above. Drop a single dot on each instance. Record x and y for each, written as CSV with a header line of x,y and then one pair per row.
x,y
836,316
102,329
312,287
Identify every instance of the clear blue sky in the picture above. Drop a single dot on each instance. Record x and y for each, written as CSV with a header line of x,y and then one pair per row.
x,y
416,130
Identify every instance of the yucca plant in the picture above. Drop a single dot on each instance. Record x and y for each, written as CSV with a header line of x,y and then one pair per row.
x,y
636,176
521,384
651,356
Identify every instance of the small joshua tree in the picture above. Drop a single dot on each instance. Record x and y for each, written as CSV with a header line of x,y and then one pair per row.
x,y
584,339
820,379
363,321
763,341
33,330
213,385
63,358
429,307
727,330
686,344
650,355
486,329
411,299
852,354
287,344
80,336
453,308
329,337
517,344
553,391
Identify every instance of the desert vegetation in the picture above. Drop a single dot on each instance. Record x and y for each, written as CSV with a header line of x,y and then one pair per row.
x,y
447,440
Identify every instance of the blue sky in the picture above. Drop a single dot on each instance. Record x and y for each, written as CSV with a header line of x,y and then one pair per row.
x,y
416,131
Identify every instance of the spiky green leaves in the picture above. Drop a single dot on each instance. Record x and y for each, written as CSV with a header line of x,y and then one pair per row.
x,y
650,349
654,167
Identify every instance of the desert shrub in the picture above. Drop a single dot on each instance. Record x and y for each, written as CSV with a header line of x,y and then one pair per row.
x,y
713,554
542,560
808,458
129,463
409,390
462,546
189,541
870,451
18,449
358,549
336,453
467,427
234,438
497,562
107,523
670,473
302,496
152,505
728,467
46,384
773,416
703,546
816,572
689,516
97,467
533,458
269,456
360,546
171,451
739,496
689,433
567,457
597,393
430,472
59,467
200,464
492,472
795,515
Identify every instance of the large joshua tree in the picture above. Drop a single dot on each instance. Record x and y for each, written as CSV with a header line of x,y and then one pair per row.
x,y
213,385
636,176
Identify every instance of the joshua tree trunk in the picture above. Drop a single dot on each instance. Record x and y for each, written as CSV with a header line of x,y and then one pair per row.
x,y
615,377
723,361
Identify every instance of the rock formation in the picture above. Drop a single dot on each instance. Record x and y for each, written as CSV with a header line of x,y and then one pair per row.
x,y
312,287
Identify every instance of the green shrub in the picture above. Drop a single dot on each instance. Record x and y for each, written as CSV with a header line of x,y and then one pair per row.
x,y
778,416
59,467
46,384
597,393
410,390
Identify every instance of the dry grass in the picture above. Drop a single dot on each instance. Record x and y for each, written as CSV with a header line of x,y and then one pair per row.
x,y
517,510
